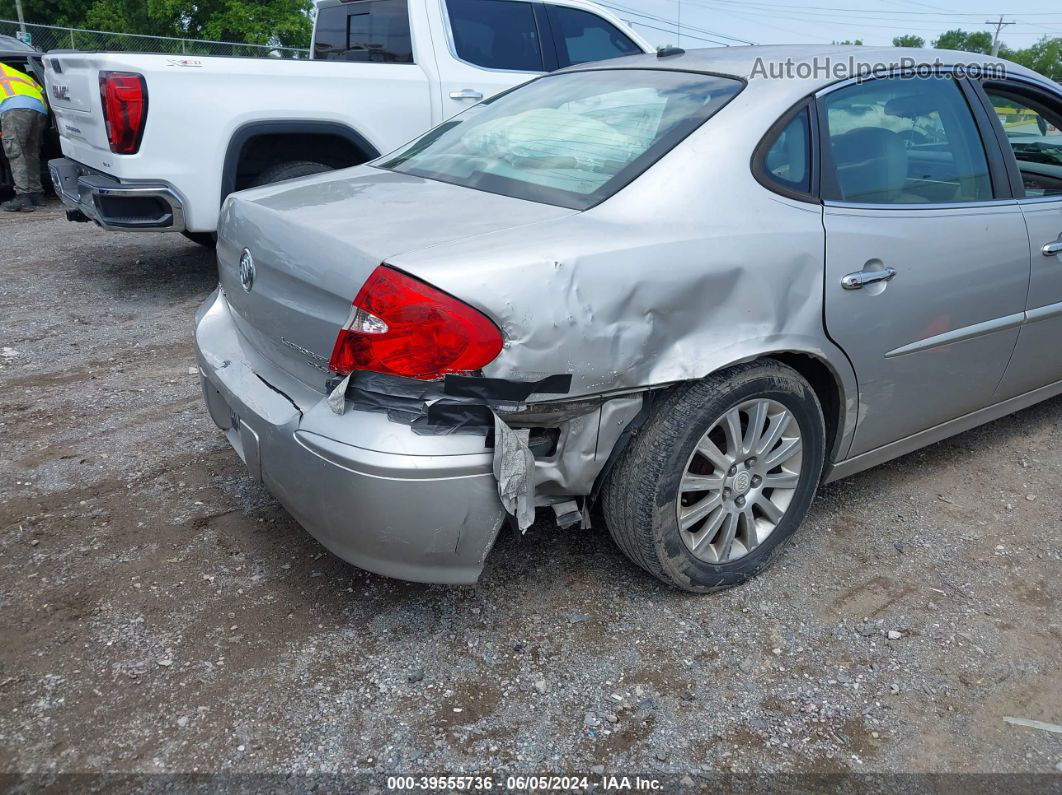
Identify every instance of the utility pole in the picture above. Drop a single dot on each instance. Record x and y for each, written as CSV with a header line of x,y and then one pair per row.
x,y
21,21
995,39
679,25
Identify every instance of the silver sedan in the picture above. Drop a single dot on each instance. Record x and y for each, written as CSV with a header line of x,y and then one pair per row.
x,y
680,287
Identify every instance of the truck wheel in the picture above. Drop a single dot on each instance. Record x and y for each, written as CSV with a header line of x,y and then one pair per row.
x,y
290,170
208,239
719,478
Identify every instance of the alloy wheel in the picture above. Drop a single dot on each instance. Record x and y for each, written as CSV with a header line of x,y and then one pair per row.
x,y
739,481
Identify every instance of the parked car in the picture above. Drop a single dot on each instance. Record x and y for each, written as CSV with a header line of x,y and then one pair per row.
x,y
658,283
26,59
384,71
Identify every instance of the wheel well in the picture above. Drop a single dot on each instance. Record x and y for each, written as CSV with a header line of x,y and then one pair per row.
x,y
260,151
827,389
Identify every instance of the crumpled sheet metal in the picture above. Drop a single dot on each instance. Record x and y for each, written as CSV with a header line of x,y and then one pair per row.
x,y
514,468
337,398
623,304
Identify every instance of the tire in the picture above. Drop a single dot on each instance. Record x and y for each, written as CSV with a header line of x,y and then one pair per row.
x,y
292,169
642,500
206,239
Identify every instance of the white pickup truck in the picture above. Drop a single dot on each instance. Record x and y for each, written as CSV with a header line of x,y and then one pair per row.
x,y
156,142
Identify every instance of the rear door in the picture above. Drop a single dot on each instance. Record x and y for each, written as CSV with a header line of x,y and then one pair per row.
x,y
579,36
490,45
1030,124
927,259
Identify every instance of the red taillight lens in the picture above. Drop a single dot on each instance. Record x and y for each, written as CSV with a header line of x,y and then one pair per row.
x,y
125,105
402,326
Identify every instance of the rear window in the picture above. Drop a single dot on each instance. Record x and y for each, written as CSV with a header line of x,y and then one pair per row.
x,y
496,34
570,139
375,31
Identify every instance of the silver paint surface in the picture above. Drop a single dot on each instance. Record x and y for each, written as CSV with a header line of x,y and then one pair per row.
x,y
691,268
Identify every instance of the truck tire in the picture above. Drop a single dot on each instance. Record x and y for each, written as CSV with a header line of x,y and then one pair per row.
x,y
207,239
719,478
289,170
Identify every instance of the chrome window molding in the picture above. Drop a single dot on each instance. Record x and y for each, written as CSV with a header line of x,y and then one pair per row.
x,y
926,206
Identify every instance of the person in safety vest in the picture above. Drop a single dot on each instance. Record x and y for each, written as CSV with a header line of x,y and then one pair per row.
x,y
23,120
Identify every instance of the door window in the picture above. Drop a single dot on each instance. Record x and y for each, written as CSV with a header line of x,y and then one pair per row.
x,y
582,37
496,34
904,140
1035,135
376,31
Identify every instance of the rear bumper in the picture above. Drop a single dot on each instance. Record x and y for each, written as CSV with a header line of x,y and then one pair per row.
x,y
371,491
125,206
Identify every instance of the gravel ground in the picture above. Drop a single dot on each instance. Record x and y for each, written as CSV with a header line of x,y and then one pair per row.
x,y
161,613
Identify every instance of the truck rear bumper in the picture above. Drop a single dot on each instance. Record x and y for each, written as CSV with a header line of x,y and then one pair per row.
x,y
125,206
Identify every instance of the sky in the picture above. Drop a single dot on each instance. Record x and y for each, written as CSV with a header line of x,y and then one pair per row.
x,y
709,23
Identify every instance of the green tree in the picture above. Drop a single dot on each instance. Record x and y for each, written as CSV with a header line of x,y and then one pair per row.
x,y
47,12
279,22
856,42
909,40
1044,57
979,41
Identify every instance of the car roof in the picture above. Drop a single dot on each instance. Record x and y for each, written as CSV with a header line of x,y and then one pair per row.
x,y
746,62
9,45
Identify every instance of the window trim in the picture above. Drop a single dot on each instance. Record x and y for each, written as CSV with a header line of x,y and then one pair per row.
x,y
759,154
551,8
998,176
1028,91
451,42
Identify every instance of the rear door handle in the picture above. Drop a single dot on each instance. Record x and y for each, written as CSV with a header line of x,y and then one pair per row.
x,y
1053,248
466,93
859,279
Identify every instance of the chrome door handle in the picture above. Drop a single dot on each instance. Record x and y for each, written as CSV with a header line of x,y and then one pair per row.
x,y
857,280
1053,248
466,93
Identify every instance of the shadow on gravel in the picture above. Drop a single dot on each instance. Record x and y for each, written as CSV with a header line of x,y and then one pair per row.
x,y
977,442
175,271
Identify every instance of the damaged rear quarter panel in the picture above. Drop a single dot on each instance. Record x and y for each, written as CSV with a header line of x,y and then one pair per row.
x,y
692,267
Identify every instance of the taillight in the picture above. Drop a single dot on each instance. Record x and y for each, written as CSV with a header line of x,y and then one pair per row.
x,y
125,105
402,326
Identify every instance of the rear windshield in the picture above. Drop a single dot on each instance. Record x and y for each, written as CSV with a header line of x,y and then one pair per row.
x,y
570,139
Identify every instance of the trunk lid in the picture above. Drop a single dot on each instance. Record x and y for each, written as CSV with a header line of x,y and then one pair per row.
x,y
314,242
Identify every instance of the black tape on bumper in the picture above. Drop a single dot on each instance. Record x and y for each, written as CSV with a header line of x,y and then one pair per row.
x,y
488,389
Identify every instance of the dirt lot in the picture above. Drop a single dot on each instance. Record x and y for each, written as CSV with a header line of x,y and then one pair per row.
x,y
160,612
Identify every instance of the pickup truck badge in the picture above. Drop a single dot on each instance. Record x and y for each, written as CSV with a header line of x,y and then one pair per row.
x,y
247,270
60,92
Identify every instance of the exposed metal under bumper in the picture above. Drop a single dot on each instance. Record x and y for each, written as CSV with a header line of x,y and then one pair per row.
x,y
129,207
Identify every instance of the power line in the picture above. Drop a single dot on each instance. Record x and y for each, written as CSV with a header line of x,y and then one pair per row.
x,y
662,20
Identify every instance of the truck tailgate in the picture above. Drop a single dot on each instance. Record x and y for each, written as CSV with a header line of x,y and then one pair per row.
x,y
74,95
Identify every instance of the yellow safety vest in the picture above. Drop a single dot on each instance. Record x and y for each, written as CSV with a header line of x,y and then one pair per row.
x,y
14,83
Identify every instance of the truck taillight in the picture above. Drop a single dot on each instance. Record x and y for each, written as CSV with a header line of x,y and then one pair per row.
x,y
402,326
125,104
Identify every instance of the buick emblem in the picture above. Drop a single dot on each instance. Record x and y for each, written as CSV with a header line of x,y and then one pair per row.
x,y
247,270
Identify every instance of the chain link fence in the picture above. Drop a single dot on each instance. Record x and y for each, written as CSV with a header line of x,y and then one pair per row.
x,y
50,37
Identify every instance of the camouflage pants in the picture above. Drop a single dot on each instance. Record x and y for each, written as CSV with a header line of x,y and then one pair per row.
x,y
23,133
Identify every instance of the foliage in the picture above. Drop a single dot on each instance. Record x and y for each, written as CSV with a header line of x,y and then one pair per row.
x,y
979,41
857,42
279,22
1044,57
910,40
